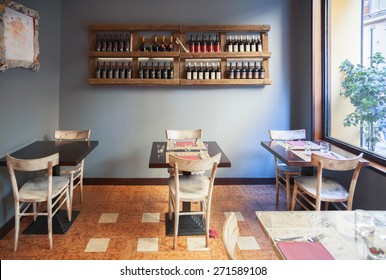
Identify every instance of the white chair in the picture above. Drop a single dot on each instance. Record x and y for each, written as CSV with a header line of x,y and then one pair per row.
x,y
313,190
74,172
192,134
187,188
285,173
230,235
54,190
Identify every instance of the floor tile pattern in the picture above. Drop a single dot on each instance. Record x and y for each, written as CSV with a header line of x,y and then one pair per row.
x,y
128,222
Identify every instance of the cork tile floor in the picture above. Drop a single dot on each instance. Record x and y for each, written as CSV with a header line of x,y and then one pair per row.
x,y
128,222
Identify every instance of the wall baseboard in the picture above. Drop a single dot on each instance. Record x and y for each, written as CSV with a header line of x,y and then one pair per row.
x,y
164,181
9,225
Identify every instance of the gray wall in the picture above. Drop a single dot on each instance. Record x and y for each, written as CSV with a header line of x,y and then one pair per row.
x,y
29,101
126,120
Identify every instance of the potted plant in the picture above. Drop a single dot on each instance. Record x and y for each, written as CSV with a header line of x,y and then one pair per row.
x,y
366,88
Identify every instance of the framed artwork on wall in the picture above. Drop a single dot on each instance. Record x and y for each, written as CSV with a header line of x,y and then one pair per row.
x,y
19,45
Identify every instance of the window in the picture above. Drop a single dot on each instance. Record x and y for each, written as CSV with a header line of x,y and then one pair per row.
x,y
355,100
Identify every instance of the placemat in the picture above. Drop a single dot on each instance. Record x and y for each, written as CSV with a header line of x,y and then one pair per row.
x,y
188,155
180,145
304,251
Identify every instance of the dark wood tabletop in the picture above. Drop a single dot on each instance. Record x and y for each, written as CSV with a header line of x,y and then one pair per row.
x,y
159,160
70,152
291,159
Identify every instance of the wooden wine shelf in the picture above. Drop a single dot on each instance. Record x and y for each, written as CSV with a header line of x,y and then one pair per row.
x,y
179,57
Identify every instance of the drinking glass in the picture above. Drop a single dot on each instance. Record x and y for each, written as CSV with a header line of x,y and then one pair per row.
x,y
324,147
307,148
376,247
160,148
364,222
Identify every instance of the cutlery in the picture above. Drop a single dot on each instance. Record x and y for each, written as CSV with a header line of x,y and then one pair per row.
x,y
315,238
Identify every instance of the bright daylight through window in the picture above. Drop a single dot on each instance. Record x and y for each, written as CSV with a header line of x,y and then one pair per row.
x,y
356,74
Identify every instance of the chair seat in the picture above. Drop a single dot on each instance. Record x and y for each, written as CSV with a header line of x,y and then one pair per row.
x,y
191,187
36,189
66,170
331,190
288,169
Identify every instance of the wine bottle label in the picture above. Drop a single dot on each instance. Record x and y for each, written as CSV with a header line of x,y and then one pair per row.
x,y
231,75
213,75
200,75
247,47
249,75
230,48
241,47
259,48
189,75
207,75
194,75
237,75
98,73
218,75
128,73
253,48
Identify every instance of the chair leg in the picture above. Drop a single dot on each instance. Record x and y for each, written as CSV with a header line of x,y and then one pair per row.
x,y
17,227
288,190
34,209
277,188
207,225
81,187
170,210
49,224
294,195
176,224
69,205
71,188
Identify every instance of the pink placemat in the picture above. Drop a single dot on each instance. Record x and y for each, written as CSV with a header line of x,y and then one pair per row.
x,y
296,143
194,157
185,143
304,251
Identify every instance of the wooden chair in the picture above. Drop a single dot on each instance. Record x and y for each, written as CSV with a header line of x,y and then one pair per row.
x,y
187,188
74,172
230,235
54,190
317,189
193,134
285,173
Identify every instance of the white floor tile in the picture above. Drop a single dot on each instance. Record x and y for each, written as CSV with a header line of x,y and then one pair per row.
x,y
247,243
150,218
108,218
147,245
97,245
196,244
239,216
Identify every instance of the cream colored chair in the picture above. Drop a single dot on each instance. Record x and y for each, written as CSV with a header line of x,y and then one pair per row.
x,y
54,190
187,188
313,190
74,172
230,235
193,134
285,173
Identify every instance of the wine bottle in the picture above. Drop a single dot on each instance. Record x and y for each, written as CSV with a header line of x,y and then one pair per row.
x,y
152,71
110,74
261,71
255,72
259,45
217,46
143,47
194,73
241,44
116,71
209,45
109,47
104,71
243,71
140,71
206,72
171,71
155,47
249,71
127,43
191,44
247,45
218,71
236,45
231,73
203,44
115,43
237,72
122,70
98,43
164,72
170,47
162,47
197,45
121,43
158,73
98,71
213,72
146,71
189,72
253,44
229,44
201,72
128,73
104,43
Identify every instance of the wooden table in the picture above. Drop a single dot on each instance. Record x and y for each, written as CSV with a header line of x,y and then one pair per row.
x,y
189,225
338,229
71,153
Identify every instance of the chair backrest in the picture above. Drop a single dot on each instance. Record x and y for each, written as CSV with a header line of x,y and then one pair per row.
x,y
72,134
230,235
31,165
327,163
189,165
183,134
297,134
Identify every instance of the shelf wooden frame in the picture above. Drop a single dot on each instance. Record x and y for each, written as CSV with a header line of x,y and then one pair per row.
x,y
179,56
